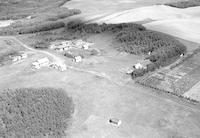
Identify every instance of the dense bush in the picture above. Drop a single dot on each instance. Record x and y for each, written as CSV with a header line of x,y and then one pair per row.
x,y
41,27
78,26
27,112
138,73
184,4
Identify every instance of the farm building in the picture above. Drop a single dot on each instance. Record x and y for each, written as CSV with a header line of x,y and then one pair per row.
x,y
16,58
66,45
115,121
41,63
78,59
20,57
142,64
58,66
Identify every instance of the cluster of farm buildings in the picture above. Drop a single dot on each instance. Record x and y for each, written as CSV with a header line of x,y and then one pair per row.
x,y
69,44
45,62
19,57
140,65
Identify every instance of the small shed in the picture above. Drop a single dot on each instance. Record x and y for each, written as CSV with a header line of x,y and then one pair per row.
x,y
115,122
16,58
23,56
85,47
78,59
142,64
29,17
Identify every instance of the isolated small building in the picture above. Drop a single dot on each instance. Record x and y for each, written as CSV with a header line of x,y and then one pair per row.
x,y
58,66
78,59
16,58
129,71
62,67
23,56
85,46
29,17
142,64
115,121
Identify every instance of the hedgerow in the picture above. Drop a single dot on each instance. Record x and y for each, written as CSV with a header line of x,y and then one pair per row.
x,y
184,4
30,112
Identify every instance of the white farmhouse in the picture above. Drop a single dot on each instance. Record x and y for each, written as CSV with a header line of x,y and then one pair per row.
x,y
58,66
17,58
41,63
142,64
78,59
23,56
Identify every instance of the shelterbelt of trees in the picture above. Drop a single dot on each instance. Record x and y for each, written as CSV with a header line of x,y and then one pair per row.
x,y
184,4
136,39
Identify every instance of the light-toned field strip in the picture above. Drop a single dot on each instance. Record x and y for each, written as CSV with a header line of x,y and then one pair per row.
x,y
188,29
5,23
182,23
194,92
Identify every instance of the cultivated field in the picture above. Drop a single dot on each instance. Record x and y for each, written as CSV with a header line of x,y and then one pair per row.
x,y
182,80
183,23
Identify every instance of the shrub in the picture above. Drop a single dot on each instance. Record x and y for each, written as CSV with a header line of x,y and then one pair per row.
x,y
138,73
31,112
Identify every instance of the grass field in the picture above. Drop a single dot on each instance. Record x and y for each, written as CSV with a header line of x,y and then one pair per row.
x,y
96,98
8,48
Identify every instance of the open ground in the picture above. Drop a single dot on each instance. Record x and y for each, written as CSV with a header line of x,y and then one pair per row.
x,y
99,86
98,98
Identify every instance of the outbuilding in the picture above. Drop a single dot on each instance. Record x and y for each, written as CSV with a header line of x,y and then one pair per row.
x,y
78,59
41,63
142,64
